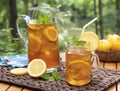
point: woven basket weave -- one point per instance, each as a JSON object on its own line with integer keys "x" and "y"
{"x": 101, "y": 79}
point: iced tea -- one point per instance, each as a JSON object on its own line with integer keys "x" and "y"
{"x": 78, "y": 66}
{"x": 43, "y": 44}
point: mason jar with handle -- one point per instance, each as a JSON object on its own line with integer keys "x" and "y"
{"x": 79, "y": 63}
{"x": 38, "y": 31}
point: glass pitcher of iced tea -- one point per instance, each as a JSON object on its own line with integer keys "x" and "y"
{"x": 38, "y": 30}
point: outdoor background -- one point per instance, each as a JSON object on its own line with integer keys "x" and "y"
{"x": 79, "y": 12}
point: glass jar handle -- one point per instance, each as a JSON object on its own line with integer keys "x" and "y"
{"x": 95, "y": 59}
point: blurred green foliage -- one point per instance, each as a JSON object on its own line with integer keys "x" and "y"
{"x": 82, "y": 11}
{"x": 10, "y": 45}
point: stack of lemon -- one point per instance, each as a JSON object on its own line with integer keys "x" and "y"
{"x": 111, "y": 43}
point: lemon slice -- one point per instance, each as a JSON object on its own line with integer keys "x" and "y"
{"x": 50, "y": 33}
{"x": 19, "y": 71}
{"x": 36, "y": 67}
{"x": 79, "y": 69}
{"x": 92, "y": 40}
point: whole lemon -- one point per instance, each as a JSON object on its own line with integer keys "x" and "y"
{"x": 112, "y": 38}
{"x": 116, "y": 45}
{"x": 104, "y": 45}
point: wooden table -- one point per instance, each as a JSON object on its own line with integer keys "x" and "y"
{"x": 115, "y": 87}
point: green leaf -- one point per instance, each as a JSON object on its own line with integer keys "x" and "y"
{"x": 51, "y": 76}
{"x": 76, "y": 42}
{"x": 45, "y": 76}
{"x": 51, "y": 79}
{"x": 56, "y": 75}
{"x": 44, "y": 18}
{"x": 47, "y": 19}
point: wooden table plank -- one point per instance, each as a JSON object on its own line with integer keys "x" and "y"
{"x": 15, "y": 88}
{"x": 111, "y": 66}
{"x": 118, "y": 66}
{"x": 118, "y": 85}
{"x": 25, "y": 89}
{"x": 4, "y": 86}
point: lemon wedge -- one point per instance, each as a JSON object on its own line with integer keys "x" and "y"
{"x": 92, "y": 40}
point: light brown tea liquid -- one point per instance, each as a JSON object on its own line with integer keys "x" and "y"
{"x": 43, "y": 44}
{"x": 78, "y": 66}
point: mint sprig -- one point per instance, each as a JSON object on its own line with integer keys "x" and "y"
{"x": 45, "y": 76}
{"x": 51, "y": 77}
{"x": 44, "y": 19}
{"x": 76, "y": 42}
{"x": 56, "y": 75}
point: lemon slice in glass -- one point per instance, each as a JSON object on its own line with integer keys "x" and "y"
{"x": 36, "y": 67}
{"x": 79, "y": 69}
{"x": 92, "y": 40}
{"x": 50, "y": 33}
{"x": 19, "y": 71}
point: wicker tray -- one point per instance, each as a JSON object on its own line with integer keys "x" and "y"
{"x": 101, "y": 79}
{"x": 109, "y": 56}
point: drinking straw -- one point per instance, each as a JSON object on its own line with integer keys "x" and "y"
{"x": 88, "y": 24}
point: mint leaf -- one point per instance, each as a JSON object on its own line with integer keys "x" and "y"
{"x": 47, "y": 19}
{"x": 51, "y": 79}
{"x": 76, "y": 42}
{"x": 44, "y": 18}
{"x": 56, "y": 75}
{"x": 45, "y": 76}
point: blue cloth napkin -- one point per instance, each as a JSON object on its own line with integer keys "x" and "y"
{"x": 15, "y": 61}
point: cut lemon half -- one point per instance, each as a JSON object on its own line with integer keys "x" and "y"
{"x": 92, "y": 40}
{"x": 50, "y": 33}
{"x": 19, "y": 71}
{"x": 79, "y": 69}
{"x": 36, "y": 67}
